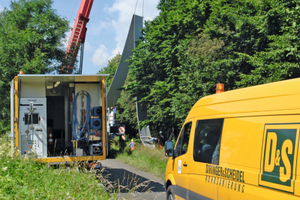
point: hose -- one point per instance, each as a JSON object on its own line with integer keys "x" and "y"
{"x": 80, "y": 131}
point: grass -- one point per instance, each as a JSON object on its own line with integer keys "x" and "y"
{"x": 144, "y": 158}
{"x": 27, "y": 179}
{"x": 22, "y": 178}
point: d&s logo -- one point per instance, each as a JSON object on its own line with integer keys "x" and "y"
{"x": 279, "y": 156}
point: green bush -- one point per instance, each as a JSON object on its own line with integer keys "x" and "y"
{"x": 145, "y": 158}
{"x": 22, "y": 178}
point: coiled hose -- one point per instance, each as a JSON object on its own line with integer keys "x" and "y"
{"x": 80, "y": 132}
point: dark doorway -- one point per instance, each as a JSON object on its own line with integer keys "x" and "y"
{"x": 56, "y": 125}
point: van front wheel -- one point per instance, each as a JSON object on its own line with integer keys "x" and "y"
{"x": 170, "y": 195}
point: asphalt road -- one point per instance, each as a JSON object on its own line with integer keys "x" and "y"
{"x": 130, "y": 183}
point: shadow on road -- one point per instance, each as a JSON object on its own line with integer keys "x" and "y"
{"x": 123, "y": 181}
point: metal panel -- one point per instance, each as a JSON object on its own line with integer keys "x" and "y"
{"x": 71, "y": 78}
{"x": 32, "y": 90}
{"x": 12, "y": 111}
{"x": 122, "y": 70}
{"x": 33, "y": 134}
{"x": 121, "y": 73}
{"x": 94, "y": 90}
{"x": 145, "y": 137}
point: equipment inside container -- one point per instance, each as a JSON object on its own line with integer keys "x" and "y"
{"x": 74, "y": 120}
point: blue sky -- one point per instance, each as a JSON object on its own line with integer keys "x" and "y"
{"x": 107, "y": 28}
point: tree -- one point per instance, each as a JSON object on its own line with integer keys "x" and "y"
{"x": 155, "y": 66}
{"x": 194, "y": 44}
{"x": 126, "y": 112}
{"x": 126, "y": 104}
{"x": 31, "y": 36}
{"x": 279, "y": 60}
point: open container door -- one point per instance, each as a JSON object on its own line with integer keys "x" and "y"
{"x": 12, "y": 112}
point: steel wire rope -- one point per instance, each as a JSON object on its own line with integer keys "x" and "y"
{"x": 142, "y": 7}
{"x": 135, "y": 6}
{"x": 73, "y": 11}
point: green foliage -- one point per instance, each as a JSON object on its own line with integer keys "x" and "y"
{"x": 27, "y": 179}
{"x": 144, "y": 158}
{"x": 126, "y": 104}
{"x": 126, "y": 112}
{"x": 30, "y": 40}
{"x": 111, "y": 69}
{"x": 155, "y": 66}
{"x": 280, "y": 59}
{"x": 193, "y": 44}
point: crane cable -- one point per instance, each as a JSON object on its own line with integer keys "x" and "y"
{"x": 142, "y": 7}
{"x": 81, "y": 131}
{"x": 73, "y": 11}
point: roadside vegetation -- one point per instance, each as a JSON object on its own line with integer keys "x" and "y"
{"x": 31, "y": 40}
{"x": 184, "y": 51}
{"x": 144, "y": 158}
{"x": 194, "y": 44}
{"x": 27, "y": 179}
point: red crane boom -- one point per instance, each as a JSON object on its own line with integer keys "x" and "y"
{"x": 77, "y": 36}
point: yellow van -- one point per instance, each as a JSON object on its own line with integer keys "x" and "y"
{"x": 239, "y": 144}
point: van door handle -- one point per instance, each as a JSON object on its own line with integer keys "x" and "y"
{"x": 185, "y": 165}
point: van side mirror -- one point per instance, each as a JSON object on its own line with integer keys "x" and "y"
{"x": 169, "y": 151}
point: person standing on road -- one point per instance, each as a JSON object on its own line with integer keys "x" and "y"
{"x": 161, "y": 140}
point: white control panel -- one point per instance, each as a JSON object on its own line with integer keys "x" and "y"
{"x": 33, "y": 126}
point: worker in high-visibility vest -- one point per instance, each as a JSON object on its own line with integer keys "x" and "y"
{"x": 132, "y": 145}
{"x": 161, "y": 140}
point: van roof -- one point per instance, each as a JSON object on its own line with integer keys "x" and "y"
{"x": 67, "y": 78}
{"x": 247, "y": 99}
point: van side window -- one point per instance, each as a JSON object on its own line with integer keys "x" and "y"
{"x": 207, "y": 140}
{"x": 183, "y": 141}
